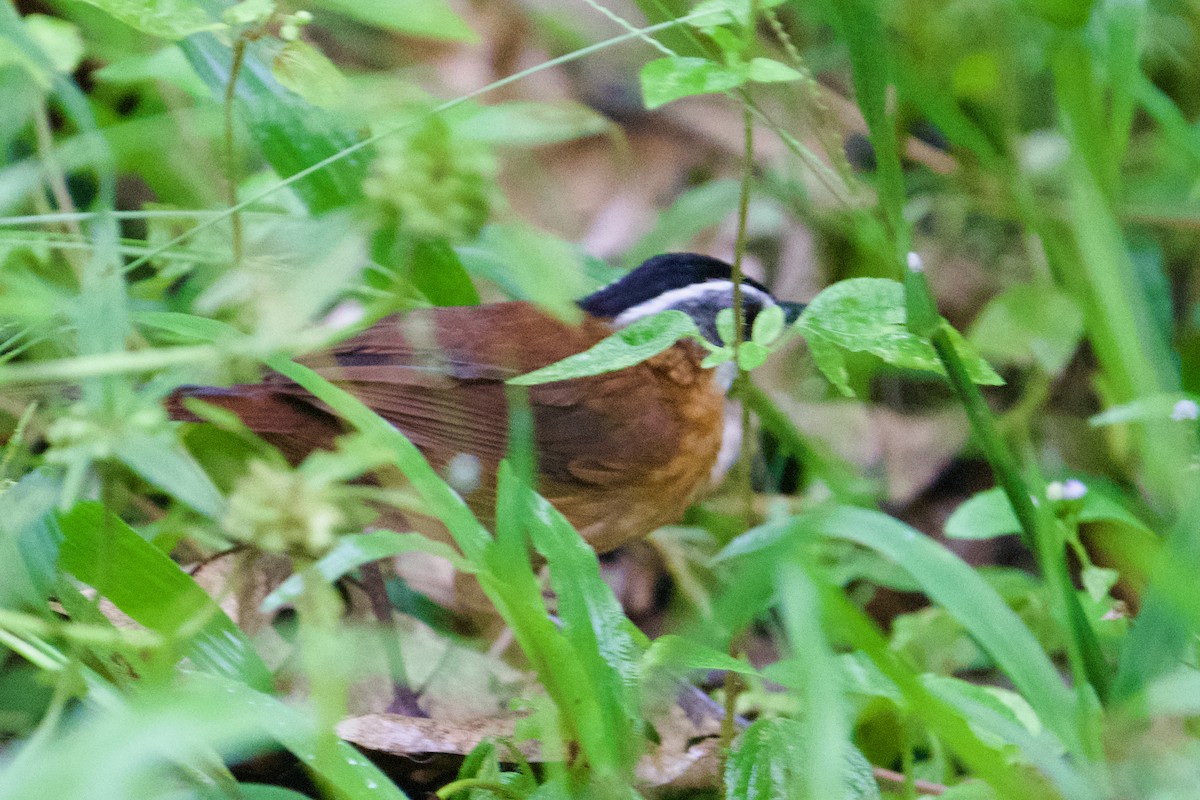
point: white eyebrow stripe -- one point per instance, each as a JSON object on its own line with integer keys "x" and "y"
{"x": 676, "y": 297}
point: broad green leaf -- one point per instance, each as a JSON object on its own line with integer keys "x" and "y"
{"x": 291, "y": 133}
{"x": 1029, "y": 324}
{"x": 673, "y": 77}
{"x": 768, "y": 762}
{"x": 351, "y": 552}
{"x": 867, "y": 315}
{"x": 439, "y": 274}
{"x": 309, "y": 73}
{"x": 524, "y": 123}
{"x": 830, "y": 360}
{"x": 427, "y": 18}
{"x": 752, "y": 355}
{"x": 633, "y": 344}
{"x": 768, "y": 325}
{"x": 168, "y": 19}
{"x": 950, "y": 583}
{"x": 28, "y": 541}
{"x": 989, "y": 514}
{"x": 102, "y": 551}
{"x": 983, "y": 516}
{"x": 726, "y": 329}
{"x": 768, "y": 70}
{"x": 162, "y": 461}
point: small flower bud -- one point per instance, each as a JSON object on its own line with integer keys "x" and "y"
{"x": 1185, "y": 410}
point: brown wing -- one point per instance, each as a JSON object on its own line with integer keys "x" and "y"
{"x": 438, "y": 375}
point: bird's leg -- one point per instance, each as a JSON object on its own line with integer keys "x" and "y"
{"x": 404, "y": 696}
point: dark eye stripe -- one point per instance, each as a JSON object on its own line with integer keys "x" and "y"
{"x": 655, "y": 276}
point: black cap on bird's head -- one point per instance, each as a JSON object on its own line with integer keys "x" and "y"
{"x": 698, "y": 285}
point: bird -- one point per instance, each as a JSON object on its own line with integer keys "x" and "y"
{"x": 619, "y": 454}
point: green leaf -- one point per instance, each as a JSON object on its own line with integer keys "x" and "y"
{"x": 116, "y": 750}
{"x": 950, "y": 583}
{"x": 592, "y": 621}
{"x": 168, "y": 19}
{"x": 161, "y": 460}
{"x": 291, "y": 133}
{"x": 102, "y": 551}
{"x": 989, "y": 514}
{"x": 1098, "y": 581}
{"x": 525, "y": 123}
{"x": 433, "y": 19}
{"x": 1029, "y": 324}
{"x": 767, "y": 762}
{"x": 867, "y": 315}
{"x": 673, "y": 77}
{"x": 1065, "y": 13}
{"x": 167, "y": 65}
{"x": 309, "y": 73}
{"x": 829, "y": 359}
{"x": 179, "y": 328}
{"x": 440, "y": 275}
{"x": 740, "y": 12}
{"x": 983, "y": 516}
{"x": 593, "y": 712}
{"x": 768, "y": 70}
{"x": 725, "y": 326}
{"x": 351, "y": 552}
{"x": 717, "y": 357}
{"x": 768, "y": 325}
{"x": 633, "y": 344}
{"x": 678, "y": 654}
{"x": 28, "y": 541}
{"x": 59, "y": 39}
{"x": 824, "y": 730}
{"x": 752, "y": 355}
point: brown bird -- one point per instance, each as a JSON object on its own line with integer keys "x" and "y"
{"x": 619, "y": 454}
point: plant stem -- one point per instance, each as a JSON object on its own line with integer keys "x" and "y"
{"x": 1037, "y": 530}
{"x": 495, "y": 787}
{"x": 739, "y": 312}
{"x": 235, "y": 216}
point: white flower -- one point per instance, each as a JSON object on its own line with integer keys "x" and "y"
{"x": 1066, "y": 490}
{"x": 1185, "y": 410}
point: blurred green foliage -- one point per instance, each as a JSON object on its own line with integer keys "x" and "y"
{"x": 154, "y": 234}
